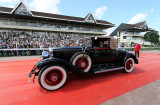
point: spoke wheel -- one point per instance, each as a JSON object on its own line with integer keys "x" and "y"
{"x": 129, "y": 65}
{"x": 82, "y": 61}
{"x": 52, "y": 77}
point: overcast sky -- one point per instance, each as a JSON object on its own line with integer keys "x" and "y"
{"x": 114, "y": 11}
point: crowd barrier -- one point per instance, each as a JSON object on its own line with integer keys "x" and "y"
{"x": 21, "y": 52}
{"x": 142, "y": 49}
{"x": 38, "y": 51}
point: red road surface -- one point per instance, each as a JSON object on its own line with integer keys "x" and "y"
{"x": 16, "y": 90}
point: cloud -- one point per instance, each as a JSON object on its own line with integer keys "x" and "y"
{"x": 158, "y": 23}
{"x": 99, "y": 12}
{"x": 49, "y": 6}
{"x": 109, "y": 31}
{"x": 158, "y": 31}
{"x": 11, "y": 6}
{"x": 137, "y": 18}
{"x": 152, "y": 10}
{"x": 9, "y": 1}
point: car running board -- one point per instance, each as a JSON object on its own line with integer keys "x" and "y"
{"x": 106, "y": 70}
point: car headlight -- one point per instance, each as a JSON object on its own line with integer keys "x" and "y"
{"x": 41, "y": 58}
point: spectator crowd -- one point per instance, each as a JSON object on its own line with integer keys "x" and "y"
{"x": 10, "y": 40}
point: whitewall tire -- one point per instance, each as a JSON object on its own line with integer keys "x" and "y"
{"x": 53, "y": 77}
{"x": 129, "y": 65}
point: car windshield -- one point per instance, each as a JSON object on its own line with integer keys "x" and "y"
{"x": 84, "y": 42}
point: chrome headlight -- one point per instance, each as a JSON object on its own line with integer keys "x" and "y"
{"x": 45, "y": 53}
{"x": 41, "y": 58}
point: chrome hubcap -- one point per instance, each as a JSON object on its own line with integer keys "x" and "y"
{"x": 54, "y": 78}
{"x": 83, "y": 64}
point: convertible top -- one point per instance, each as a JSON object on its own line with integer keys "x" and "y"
{"x": 113, "y": 41}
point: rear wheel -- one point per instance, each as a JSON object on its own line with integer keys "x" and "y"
{"x": 129, "y": 65}
{"x": 52, "y": 77}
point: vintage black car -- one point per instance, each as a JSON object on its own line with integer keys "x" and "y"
{"x": 94, "y": 55}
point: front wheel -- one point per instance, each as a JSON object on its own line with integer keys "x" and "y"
{"x": 52, "y": 77}
{"x": 129, "y": 65}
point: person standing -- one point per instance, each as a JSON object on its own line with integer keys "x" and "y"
{"x": 137, "y": 47}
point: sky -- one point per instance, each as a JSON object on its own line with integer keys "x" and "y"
{"x": 114, "y": 11}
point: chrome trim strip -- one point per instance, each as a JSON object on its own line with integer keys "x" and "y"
{"x": 102, "y": 71}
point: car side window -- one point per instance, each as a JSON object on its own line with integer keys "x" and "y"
{"x": 106, "y": 43}
{"x": 101, "y": 43}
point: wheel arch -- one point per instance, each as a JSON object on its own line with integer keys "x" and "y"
{"x": 54, "y": 61}
{"x": 130, "y": 55}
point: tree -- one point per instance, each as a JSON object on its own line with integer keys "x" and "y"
{"x": 152, "y": 37}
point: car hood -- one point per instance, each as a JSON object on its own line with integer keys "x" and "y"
{"x": 66, "y": 48}
{"x": 122, "y": 51}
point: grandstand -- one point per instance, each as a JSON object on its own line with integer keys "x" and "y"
{"x": 22, "y": 28}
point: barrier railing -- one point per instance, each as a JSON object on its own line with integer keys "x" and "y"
{"x": 38, "y": 51}
{"x": 142, "y": 49}
{"x": 21, "y": 52}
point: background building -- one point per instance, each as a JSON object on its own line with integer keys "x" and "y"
{"x": 20, "y": 27}
{"x": 130, "y": 33}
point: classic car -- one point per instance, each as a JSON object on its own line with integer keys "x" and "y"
{"x": 92, "y": 55}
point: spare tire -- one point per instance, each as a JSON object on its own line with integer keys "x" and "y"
{"x": 82, "y": 60}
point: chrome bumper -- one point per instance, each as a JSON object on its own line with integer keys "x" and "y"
{"x": 31, "y": 79}
{"x": 33, "y": 72}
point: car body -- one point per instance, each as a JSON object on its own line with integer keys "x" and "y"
{"x": 92, "y": 55}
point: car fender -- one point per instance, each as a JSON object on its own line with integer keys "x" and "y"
{"x": 130, "y": 55}
{"x": 51, "y": 61}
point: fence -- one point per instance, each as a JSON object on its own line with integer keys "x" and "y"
{"x": 142, "y": 49}
{"x": 38, "y": 51}
{"x": 21, "y": 52}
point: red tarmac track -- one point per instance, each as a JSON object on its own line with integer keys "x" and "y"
{"x": 84, "y": 90}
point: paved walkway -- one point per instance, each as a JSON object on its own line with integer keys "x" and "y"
{"x": 18, "y": 58}
{"x": 151, "y": 51}
{"x": 145, "y": 95}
